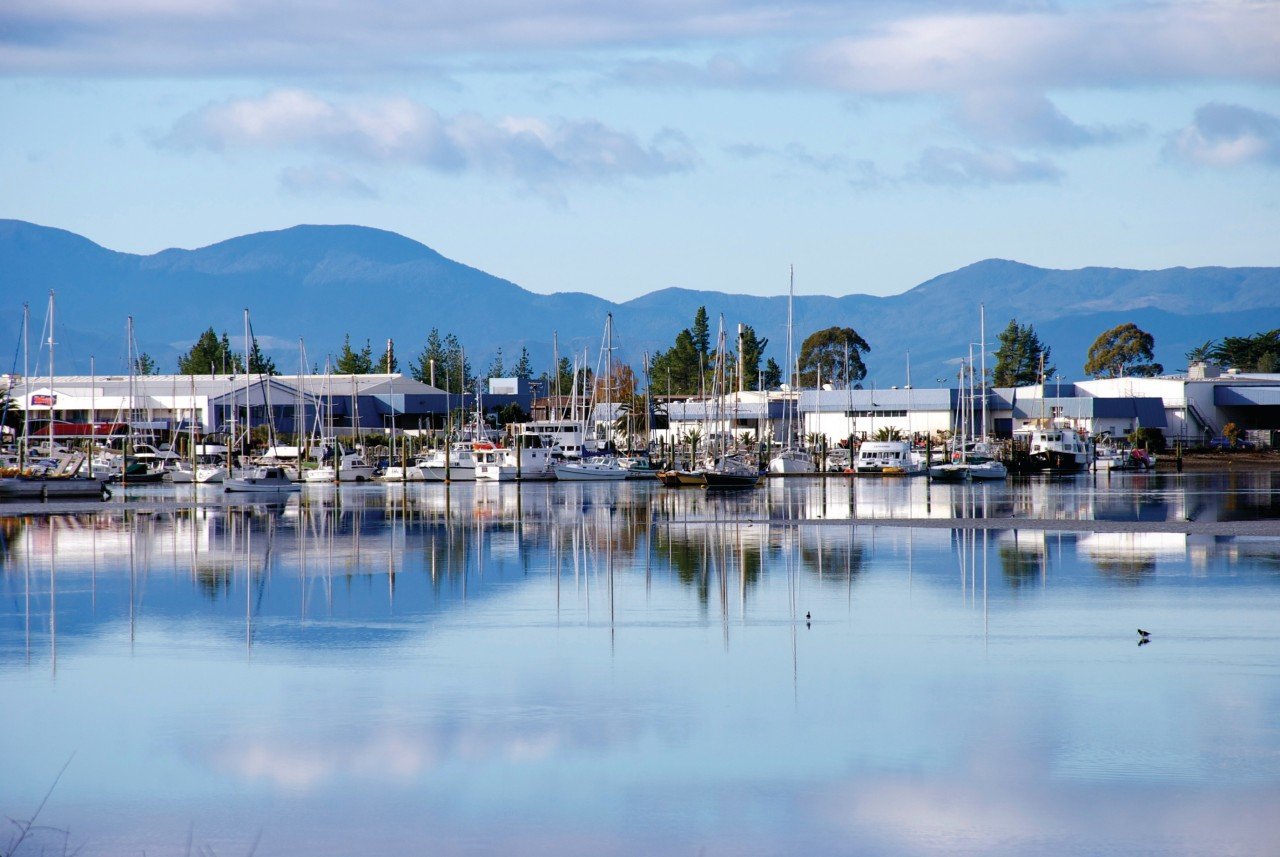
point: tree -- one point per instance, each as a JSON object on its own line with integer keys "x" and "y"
{"x": 144, "y": 365}
{"x": 510, "y": 413}
{"x": 752, "y": 348}
{"x": 825, "y": 354}
{"x": 210, "y": 356}
{"x": 496, "y": 369}
{"x": 457, "y": 366}
{"x": 701, "y": 332}
{"x": 621, "y": 384}
{"x": 1019, "y": 357}
{"x": 679, "y": 367}
{"x": 524, "y": 369}
{"x": 259, "y": 363}
{"x": 888, "y": 433}
{"x": 772, "y": 374}
{"x": 354, "y": 362}
{"x": 1247, "y": 353}
{"x": 1201, "y": 353}
{"x": 430, "y": 360}
{"x": 1123, "y": 350}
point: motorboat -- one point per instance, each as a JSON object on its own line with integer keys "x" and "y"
{"x": 792, "y": 461}
{"x": 887, "y": 458}
{"x": 261, "y": 480}
{"x": 352, "y": 467}
{"x": 56, "y": 478}
{"x": 601, "y": 468}
{"x": 457, "y": 464}
{"x": 528, "y": 461}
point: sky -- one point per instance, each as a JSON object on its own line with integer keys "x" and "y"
{"x": 621, "y": 147}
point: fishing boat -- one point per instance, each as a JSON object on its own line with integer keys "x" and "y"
{"x": 261, "y": 480}
{"x": 1053, "y": 449}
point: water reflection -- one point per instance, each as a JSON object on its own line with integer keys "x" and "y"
{"x": 586, "y": 669}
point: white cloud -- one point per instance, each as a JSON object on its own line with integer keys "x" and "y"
{"x": 1152, "y": 43}
{"x": 950, "y": 166}
{"x": 1227, "y": 135}
{"x": 542, "y": 153}
{"x": 1023, "y": 118}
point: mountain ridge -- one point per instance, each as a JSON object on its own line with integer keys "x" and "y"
{"x": 321, "y": 282}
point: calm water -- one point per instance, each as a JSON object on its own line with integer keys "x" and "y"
{"x": 603, "y": 669}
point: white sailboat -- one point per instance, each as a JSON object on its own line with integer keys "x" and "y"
{"x": 599, "y": 468}
{"x": 792, "y": 459}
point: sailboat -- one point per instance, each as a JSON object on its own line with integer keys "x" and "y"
{"x": 792, "y": 459}
{"x": 725, "y": 470}
{"x": 60, "y": 477}
{"x": 599, "y": 468}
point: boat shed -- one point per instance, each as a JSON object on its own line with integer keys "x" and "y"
{"x": 837, "y": 414}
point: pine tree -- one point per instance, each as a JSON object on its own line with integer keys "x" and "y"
{"x": 496, "y": 369}
{"x": 210, "y": 356}
{"x": 524, "y": 368}
{"x": 1018, "y": 359}
{"x": 352, "y": 362}
{"x": 144, "y": 365}
{"x": 259, "y": 363}
{"x": 701, "y": 332}
{"x": 432, "y": 355}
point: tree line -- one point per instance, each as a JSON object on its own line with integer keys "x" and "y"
{"x": 832, "y": 355}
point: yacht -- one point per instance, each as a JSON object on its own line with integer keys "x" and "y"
{"x": 352, "y": 467}
{"x": 458, "y": 465}
{"x": 792, "y": 461}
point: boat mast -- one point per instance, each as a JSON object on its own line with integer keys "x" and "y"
{"x": 26, "y": 386}
{"x": 982, "y": 322}
{"x": 248, "y": 410}
{"x": 51, "y": 394}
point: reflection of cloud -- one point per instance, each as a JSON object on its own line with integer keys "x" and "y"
{"x": 1227, "y": 135}
{"x": 404, "y": 754}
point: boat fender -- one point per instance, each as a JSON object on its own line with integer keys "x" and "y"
{"x": 106, "y": 492}
{"x": 955, "y": 457}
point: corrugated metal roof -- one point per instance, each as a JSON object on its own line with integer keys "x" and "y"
{"x": 1239, "y": 395}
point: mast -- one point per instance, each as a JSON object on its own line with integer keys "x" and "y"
{"x": 982, "y": 322}
{"x": 26, "y": 386}
{"x": 248, "y": 411}
{"x": 51, "y": 394}
{"x": 93, "y": 411}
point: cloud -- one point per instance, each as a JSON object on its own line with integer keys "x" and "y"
{"x": 541, "y": 153}
{"x": 324, "y": 180}
{"x": 1022, "y": 118}
{"x": 1227, "y": 135}
{"x": 1151, "y": 43}
{"x": 961, "y": 167}
{"x": 794, "y": 154}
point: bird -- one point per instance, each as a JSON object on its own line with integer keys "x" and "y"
{"x": 807, "y": 616}
{"x": 1143, "y": 634}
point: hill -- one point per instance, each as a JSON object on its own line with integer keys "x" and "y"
{"x": 320, "y": 283}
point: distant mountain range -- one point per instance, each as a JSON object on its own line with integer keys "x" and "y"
{"x": 319, "y": 283}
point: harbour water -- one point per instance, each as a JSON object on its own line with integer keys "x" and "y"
{"x": 817, "y": 667}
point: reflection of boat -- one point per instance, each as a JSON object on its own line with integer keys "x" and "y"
{"x": 887, "y": 458}
{"x": 261, "y": 480}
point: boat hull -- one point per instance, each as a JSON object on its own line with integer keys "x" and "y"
{"x": 36, "y": 488}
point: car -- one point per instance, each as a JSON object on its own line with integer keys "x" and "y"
{"x": 1221, "y": 442}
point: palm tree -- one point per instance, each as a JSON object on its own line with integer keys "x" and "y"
{"x": 888, "y": 433}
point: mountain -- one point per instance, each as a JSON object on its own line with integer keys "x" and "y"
{"x": 320, "y": 283}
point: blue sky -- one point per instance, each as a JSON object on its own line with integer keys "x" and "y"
{"x": 621, "y": 147}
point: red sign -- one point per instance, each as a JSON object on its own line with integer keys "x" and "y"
{"x": 41, "y": 400}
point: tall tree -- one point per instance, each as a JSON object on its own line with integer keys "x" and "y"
{"x": 752, "y": 347}
{"x": 210, "y": 356}
{"x": 144, "y": 365}
{"x": 701, "y": 332}
{"x": 824, "y": 354}
{"x": 457, "y": 366}
{"x": 524, "y": 368}
{"x": 354, "y": 362}
{"x": 679, "y": 368}
{"x": 429, "y": 363}
{"x": 1123, "y": 350}
{"x": 772, "y": 374}
{"x": 496, "y": 369}
{"x": 1019, "y": 355}
{"x": 389, "y": 365}
{"x": 259, "y": 363}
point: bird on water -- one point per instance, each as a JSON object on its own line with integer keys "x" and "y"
{"x": 1143, "y": 634}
